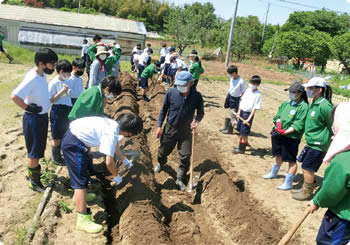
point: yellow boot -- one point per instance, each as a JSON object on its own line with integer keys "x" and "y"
{"x": 85, "y": 223}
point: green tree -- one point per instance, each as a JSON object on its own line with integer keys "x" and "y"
{"x": 321, "y": 48}
{"x": 341, "y": 49}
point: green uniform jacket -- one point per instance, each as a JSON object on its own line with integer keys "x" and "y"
{"x": 196, "y": 70}
{"x": 111, "y": 60}
{"x": 318, "y": 125}
{"x": 92, "y": 49}
{"x": 149, "y": 71}
{"x": 89, "y": 103}
{"x": 335, "y": 191}
{"x": 1, "y": 38}
{"x": 293, "y": 116}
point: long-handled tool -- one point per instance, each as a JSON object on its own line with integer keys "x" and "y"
{"x": 239, "y": 117}
{"x": 295, "y": 227}
{"x": 190, "y": 182}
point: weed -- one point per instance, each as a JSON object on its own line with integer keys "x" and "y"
{"x": 21, "y": 233}
{"x": 64, "y": 207}
{"x": 48, "y": 173}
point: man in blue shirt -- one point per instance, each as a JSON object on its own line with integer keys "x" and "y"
{"x": 180, "y": 104}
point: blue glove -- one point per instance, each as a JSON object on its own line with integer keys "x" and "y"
{"x": 118, "y": 179}
{"x": 127, "y": 164}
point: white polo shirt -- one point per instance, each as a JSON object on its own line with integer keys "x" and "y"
{"x": 143, "y": 59}
{"x": 167, "y": 58}
{"x": 181, "y": 63}
{"x": 250, "y": 100}
{"x": 97, "y": 131}
{"x": 237, "y": 87}
{"x": 34, "y": 89}
{"x": 76, "y": 84}
{"x": 163, "y": 52}
{"x": 54, "y": 87}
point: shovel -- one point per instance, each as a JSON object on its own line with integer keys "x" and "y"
{"x": 295, "y": 227}
{"x": 190, "y": 182}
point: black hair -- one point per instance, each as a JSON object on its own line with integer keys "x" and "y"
{"x": 78, "y": 62}
{"x": 45, "y": 55}
{"x": 131, "y": 123}
{"x": 85, "y": 41}
{"x": 149, "y": 45}
{"x": 196, "y": 59}
{"x": 96, "y": 37}
{"x": 113, "y": 85}
{"x": 164, "y": 45}
{"x": 304, "y": 96}
{"x": 156, "y": 63}
{"x": 232, "y": 69}
{"x": 194, "y": 52}
{"x": 172, "y": 59}
{"x": 255, "y": 80}
{"x": 64, "y": 65}
{"x": 150, "y": 50}
{"x": 138, "y": 45}
{"x": 327, "y": 92}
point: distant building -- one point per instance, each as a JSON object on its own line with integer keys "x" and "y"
{"x": 64, "y": 31}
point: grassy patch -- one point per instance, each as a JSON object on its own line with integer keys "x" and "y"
{"x": 21, "y": 233}
{"x": 64, "y": 206}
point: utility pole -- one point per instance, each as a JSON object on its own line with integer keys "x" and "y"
{"x": 79, "y": 7}
{"x": 263, "y": 33}
{"x": 231, "y": 35}
{"x": 273, "y": 45}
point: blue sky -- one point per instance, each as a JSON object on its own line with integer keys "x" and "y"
{"x": 279, "y": 9}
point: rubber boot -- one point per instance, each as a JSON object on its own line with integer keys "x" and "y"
{"x": 288, "y": 181}
{"x": 10, "y": 58}
{"x": 227, "y": 121}
{"x": 56, "y": 156}
{"x": 33, "y": 176}
{"x": 85, "y": 223}
{"x": 229, "y": 129}
{"x": 241, "y": 147}
{"x": 273, "y": 173}
{"x": 181, "y": 185}
{"x": 306, "y": 192}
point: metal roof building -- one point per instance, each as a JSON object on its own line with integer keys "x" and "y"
{"x": 64, "y": 31}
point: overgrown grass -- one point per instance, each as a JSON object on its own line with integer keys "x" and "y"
{"x": 21, "y": 233}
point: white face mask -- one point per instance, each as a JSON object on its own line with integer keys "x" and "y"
{"x": 182, "y": 89}
{"x": 253, "y": 87}
{"x": 292, "y": 96}
{"x": 109, "y": 96}
{"x": 103, "y": 56}
{"x": 309, "y": 93}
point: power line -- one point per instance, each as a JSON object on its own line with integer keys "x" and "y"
{"x": 310, "y": 6}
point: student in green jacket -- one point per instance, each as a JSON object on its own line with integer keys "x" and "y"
{"x": 287, "y": 132}
{"x": 196, "y": 70}
{"x": 91, "y": 102}
{"x": 2, "y": 50}
{"x": 318, "y": 134}
{"x": 148, "y": 72}
{"x": 335, "y": 191}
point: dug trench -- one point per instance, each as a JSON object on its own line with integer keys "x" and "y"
{"x": 148, "y": 208}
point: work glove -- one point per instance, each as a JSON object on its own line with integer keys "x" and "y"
{"x": 33, "y": 108}
{"x": 118, "y": 179}
{"x": 127, "y": 164}
{"x": 281, "y": 131}
{"x": 279, "y": 124}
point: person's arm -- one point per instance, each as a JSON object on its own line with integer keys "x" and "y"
{"x": 93, "y": 74}
{"x": 199, "y": 113}
{"x": 18, "y": 101}
{"x": 92, "y": 51}
{"x": 111, "y": 166}
{"x": 162, "y": 114}
{"x": 59, "y": 94}
{"x": 242, "y": 87}
{"x": 250, "y": 116}
{"x": 278, "y": 114}
{"x": 299, "y": 122}
{"x": 111, "y": 60}
{"x": 326, "y": 111}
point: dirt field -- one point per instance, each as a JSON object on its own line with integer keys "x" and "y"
{"x": 232, "y": 203}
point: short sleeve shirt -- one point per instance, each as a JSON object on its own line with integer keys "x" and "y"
{"x": 77, "y": 86}
{"x": 237, "y": 87}
{"x": 54, "y": 87}
{"x": 250, "y": 100}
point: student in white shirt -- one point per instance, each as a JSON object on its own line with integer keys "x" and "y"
{"x": 144, "y": 61}
{"x": 84, "y": 50}
{"x": 148, "y": 46}
{"x": 99, "y": 132}
{"x": 76, "y": 80}
{"x": 250, "y": 102}
{"x": 135, "y": 51}
{"x": 32, "y": 95}
{"x": 163, "y": 53}
{"x": 59, "y": 94}
{"x": 236, "y": 90}
{"x": 166, "y": 65}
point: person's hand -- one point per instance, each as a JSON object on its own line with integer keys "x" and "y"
{"x": 64, "y": 89}
{"x": 100, "y": 44}
{"x": 281, "y": 131}
{"x": 194, "y": 125}
{"x": 159, "y": 132}
{"x": 246, "y": 122}
{"x": 127, "y": 164}
{"x": 279, "y": 124}
{"x": 117, "y": 179}
{"x": 312, "y": 206}
{"x": 33, "y": 108}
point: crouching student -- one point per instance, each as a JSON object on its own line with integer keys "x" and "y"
{"x": 59, "y": 94}
{"x": 75, "y": 80}
{"x": 286, "y": 134}
{"x": 146, "y": 74}
{"x": 250, "y": 103}
{"x": 318, "y": 135}
{"x": 236, "y": 90}
{"x": 335, "y": 191}
{"x": 95, "y": 132}
{"x": 32, "y": 95}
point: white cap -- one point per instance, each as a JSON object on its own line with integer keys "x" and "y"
{"x": 316, "y": 82}
{"x": 117, "y": 45}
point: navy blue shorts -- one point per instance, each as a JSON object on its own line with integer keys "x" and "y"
{"x": 244, "y": 130}
{"x": 59, "y": 120}
{"x": 140, "y": 68}
{"x": 76, "y": 156}
{"x": 35, "y": 128}
{"x": 284, "y": 146}
{"x": 144, "y": 82}
{"x": 166, "y": 69}
{"x": 311, "y": 159}
{"x": 232, "y": 102}
{"x": 162, "y": 59}
{"x": 73, "y": 100}
{"x": 333, "y": 230}
{"x": 172, "y": 73}
{"x": 184, "y": 69}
